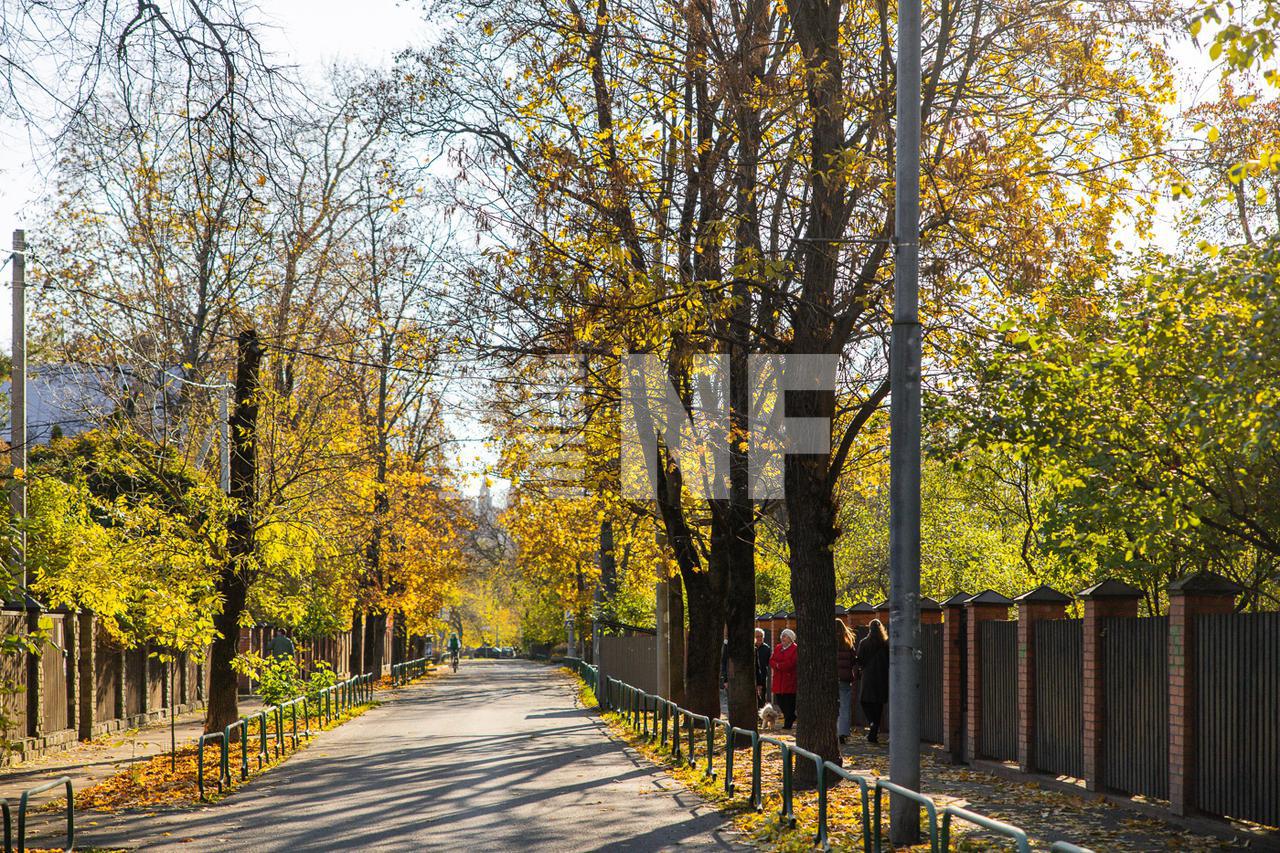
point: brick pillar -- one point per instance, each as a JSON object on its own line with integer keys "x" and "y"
{"x": 1201, "y": 593}
{"x": 35, "y": 678}
{"x": 71, "y": 661}
{"x": 882, "y": 613}
{"x": 984, "y": 607}
{"x": 954, "y": 645}
{"x": 1105, "y": 600}
{"x": 1043, "y": 602}
{"x": 860, "y": 615}
{"x": 144, "y": 676}
{"x": 930, "y": 611}
{"x": 87, "y": 673}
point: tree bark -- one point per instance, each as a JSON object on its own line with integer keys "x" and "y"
{"x": 704, "y": 642}
{"x": 810, "y": 505}
{"x": 233, "y": 580}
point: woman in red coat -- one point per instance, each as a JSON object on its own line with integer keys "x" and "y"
{"x": 783, "y": 664}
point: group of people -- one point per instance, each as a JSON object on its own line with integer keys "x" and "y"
{"x": 866, "y": 662}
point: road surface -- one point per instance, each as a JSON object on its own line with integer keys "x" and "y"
{"x": 496, "y": 757}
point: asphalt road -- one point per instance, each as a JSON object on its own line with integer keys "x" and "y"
{"x": 496, "y": 757}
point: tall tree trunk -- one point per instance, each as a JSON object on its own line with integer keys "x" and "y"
{"x": 675, "y": 638}
{"x": 233, "y": 580}
{"x": 703, "y": 643}
{"x": 810, "y": 506}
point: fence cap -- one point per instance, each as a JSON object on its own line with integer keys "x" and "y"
{"x": 1110, "y": 588}
{"x": 927, "y": 603}
{"x": 1206, "y": 583}
{"x": 781, "y": 614}
{"x": 884, "y": 605}
{"x": 862, "y": 607}
{"x": 791, "y": 615}
{"x": 989, "y": 596}
{"x": 1043, "y": 594}
{"x": 956, "y": 600}
{"x": 840, "y": 611}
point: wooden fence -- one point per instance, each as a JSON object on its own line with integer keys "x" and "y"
{"x": 86, "y": 685}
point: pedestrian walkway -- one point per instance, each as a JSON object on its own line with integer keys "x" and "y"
{"x": 89, "y": 762}
{"x": 500, "y": 756}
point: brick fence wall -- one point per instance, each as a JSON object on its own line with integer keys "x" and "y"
{"x": 1183, "y": 708}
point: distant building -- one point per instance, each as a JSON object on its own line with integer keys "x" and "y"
{"x": 70, "y": 399}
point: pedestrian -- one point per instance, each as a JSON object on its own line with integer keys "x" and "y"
{"x": 873, "y": 658}
{"x": 282, "y": 645}
{"x": 783, "y": 664}
{"x": 763, "y": 651}
{"x": 845, "y": 656}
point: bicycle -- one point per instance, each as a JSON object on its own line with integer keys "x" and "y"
{"x": 453, "y": 659}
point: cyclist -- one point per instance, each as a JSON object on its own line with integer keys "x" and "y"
{"x": 455, "y": 647}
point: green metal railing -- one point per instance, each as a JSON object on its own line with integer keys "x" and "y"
{"x": 331, "y": 702}
{"x": 403, "y": 673}
{"x": 673, "y": 727}
{"x": 61, "y": 781}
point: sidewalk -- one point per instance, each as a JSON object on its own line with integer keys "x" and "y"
{"x": 88, "y": 763}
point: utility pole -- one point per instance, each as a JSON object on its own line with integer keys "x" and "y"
{"x": 224, "y": 446}
{"x": 904, "y": 439}
{"x": 18, "y": 407}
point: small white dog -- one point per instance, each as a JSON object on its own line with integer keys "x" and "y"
{"x": 770, "y": 716}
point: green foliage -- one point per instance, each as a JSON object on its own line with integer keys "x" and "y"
{"x": 279, "y": 678}
{"x": 126, "y": 530}
{"x": 1155, "y": 422}
{"x": 301, "y": 580}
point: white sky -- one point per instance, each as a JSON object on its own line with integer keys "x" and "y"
{"x": 309, "y": 33}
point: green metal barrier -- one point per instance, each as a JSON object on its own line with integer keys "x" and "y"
{"x": 999, "y": 827}
{"x": 22, "y": 813}
{"x": 785, "y": 814}
{"x": 674, "y": 726}
{"x": 8, "y": 825}
{"x": 929, "y": 806}
{"x": 820, "y": 768}
{"x": 222, "y": 761}
{"x": 405, "y": 671}
{"x": 334, "y": 699}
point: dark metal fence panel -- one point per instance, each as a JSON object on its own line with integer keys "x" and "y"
{"x": 106, "y": 667}
{"x": 998, "y": 659}
{"x": 631, "y": 659}
{"x": 1238, "y": 715}
{"x": 135, "y": 682}
{"x": 1059, "y": 677}
{"x": 157, "y": 674}
{"x": 931, "y": 683}
{"x": 1135, "y": 687}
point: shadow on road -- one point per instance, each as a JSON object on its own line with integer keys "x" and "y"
{"x": 494, "y": 758}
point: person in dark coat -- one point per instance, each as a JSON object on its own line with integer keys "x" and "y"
{"x": 783, "y": 664}
{"x": 763, "y": 651}
{"x": 845, "y": 655}
{"x": 873, "y": 658}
